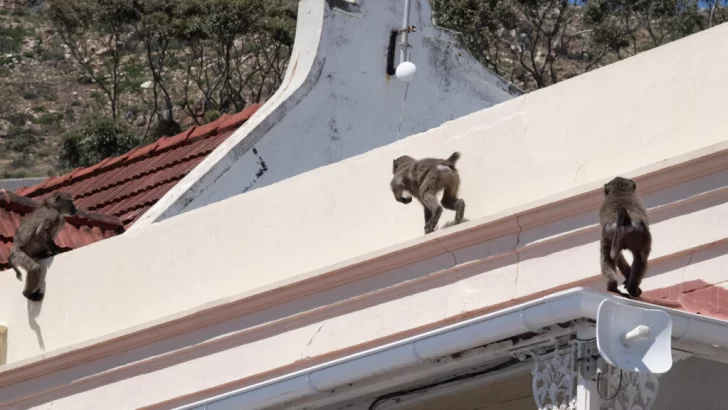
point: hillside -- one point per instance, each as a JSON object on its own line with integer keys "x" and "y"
{"x": 46, "y": 91}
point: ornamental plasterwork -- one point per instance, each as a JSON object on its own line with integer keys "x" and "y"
{"x": 628, "y": 390}
{"x": 554, "y": 380}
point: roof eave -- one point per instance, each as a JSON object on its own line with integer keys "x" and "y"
{"x": 531, "y": 316}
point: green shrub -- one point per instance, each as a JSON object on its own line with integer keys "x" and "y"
{"x": 98, "y": 138}
{"x": 211, "y": 116}
{"x": 48, "y": 119}
{"x": 18, "y": 119}
{"x": 21, "y": 139}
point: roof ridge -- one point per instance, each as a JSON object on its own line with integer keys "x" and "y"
{"x": 195, "y": 132}
{"x": 95, "y": 218}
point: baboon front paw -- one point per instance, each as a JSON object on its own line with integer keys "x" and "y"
{"x": 35, "y": 296}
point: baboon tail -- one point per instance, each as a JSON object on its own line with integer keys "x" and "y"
{"x": 623, "y": 218}
{"x": 453, "y": 158}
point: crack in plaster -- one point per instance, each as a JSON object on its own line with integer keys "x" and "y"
{"x": 690, "y": 259}
{"x": 454, "y": 257}
{"x": 518, "y": 256}
{"x": 692, "y": 254}
{"x": 311, "y": 340}
{"x": 581, "y": 166}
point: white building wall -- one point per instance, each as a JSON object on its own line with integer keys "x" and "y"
{"x": 283, "y": 256}
{"x": 521, "y": 151}
{"x": 347, "y": 103}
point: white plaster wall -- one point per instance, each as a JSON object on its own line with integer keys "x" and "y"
{"x": 513, "y": 154}
{"x": 243, "y": 347}
{"x": 352, "y": 107}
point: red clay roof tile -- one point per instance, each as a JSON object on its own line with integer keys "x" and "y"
{"x": 695, "y": 296}
{"x": 129, "y": 184}
{"x": 125, "y": 186}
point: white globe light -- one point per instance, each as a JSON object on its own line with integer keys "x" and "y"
{"x": 406, "y": 71}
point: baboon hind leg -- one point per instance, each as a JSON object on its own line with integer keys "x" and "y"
{"x": 624, "y": 267}
{"x": 639, "y": 267}
{"x": 33, "y": 271}
{"x": 452, "y": 202}
{"x": 429, "y": 201}
{"x": 609, "y": 268}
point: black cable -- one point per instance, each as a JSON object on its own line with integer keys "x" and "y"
{"x": 450, "y": 380}
{"x": 586, "y": 340}
{"x": 619, "y": 388}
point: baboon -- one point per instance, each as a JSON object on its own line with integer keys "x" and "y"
{"x": 34, "y": 240}
{"x": 423, "y": 179}
{"x": 624, "y": 224}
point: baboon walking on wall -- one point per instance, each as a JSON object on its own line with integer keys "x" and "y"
{"x": 424, "y": 179}
{"x": 34, "y": 240}
{"x": 624, "y": 224}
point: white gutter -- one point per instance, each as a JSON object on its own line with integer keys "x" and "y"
{"x": 528, "y": 317}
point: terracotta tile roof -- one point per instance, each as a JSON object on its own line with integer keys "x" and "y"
{"x": 80, "y": 230}
{"x": 695, "y": 296}
{"x": 128, "y": 185}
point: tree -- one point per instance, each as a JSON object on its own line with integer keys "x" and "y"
{"x": 235, "y": 52}
{"x": 156, "y": 29}
{"x": 482, "y": 24}
{"x": 621, "y": 25}
{"x": 98, "y": 138}
{"x": 94, "y": 31}
{"x": 522, "y": 39}
{"x": 718, "y": 12}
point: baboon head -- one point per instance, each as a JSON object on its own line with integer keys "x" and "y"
{"x": 403, "y": 160}
{"x": 62, "y": 202}
{"x": 620, "y": 184}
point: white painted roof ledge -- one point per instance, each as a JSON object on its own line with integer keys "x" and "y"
{"x": 652, "y": 177}
{"x": 531, "y": 316}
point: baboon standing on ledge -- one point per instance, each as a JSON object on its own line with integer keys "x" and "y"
{"x": 423, "y": 179}
{"x": 624, "y": 224}
{"x": 34, "y": 240}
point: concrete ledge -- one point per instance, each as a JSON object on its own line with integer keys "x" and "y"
{"x": 454, "y": 254}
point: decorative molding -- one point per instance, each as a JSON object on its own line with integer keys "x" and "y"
{"x": 554, "y": 383}
{"x": 634, "y": 390}
{"x": 554, "y": 379}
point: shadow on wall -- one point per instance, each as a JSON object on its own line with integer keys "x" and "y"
{"x": 34, "y": 308}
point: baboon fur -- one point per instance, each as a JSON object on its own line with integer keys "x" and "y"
{"x": 625, "y": 225}
{"x": 424, "y": 179}
{"x": 34, "y": 240}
